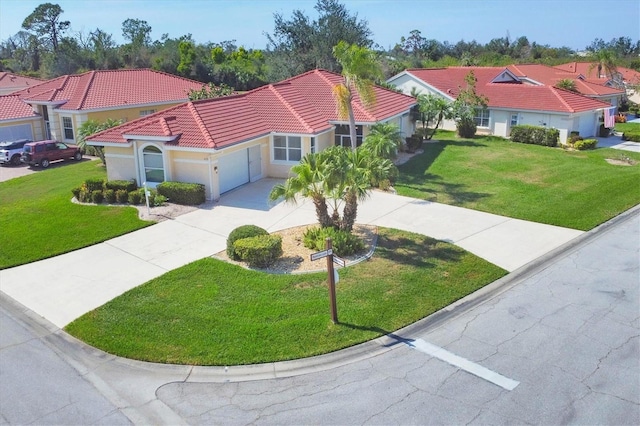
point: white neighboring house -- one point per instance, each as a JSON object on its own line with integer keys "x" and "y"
{"x": 512, "y": 99}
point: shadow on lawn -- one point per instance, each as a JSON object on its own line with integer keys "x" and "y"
{"x": 415, "y": 176}
{"x": 420, "y": 252}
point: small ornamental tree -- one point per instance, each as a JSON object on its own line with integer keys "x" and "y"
{"x": 465, "y": 106}
{"x": 432, "y": 108}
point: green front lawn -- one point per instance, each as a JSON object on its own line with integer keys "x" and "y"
{"x": 214, "y": 313}
{"x": 574, "y": 189}
{"x": 627, "y": 127}
{"x": 41, "y": 221}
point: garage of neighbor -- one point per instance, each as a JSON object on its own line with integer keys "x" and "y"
{"x": 12, "y": 133}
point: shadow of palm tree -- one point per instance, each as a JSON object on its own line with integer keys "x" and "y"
{"x": 418, "y": 252}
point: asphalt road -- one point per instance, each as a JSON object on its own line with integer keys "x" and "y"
{"x": 557, "y": 343}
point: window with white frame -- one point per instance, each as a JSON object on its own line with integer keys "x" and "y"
{"x": 287, "y": 148}
{"x": 67, "y": 126}
{"x": 153, "y": 164}
{"x": 147, "y": 112}
{"x": 313, "y": 145}
{"x": 482, "y": 117}
{"x": 514, "y": 120}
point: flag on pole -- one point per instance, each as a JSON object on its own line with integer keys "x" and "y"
{"x": 609, "y": 118}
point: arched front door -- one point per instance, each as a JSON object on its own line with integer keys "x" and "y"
{"x": 152, "y": 165}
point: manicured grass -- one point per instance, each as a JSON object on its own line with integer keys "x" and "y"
{"x": 40, "y": 220}
{"x": 214, "y": 313}
{"x": 628, "y": 127}
{"x": 574, "y": 189}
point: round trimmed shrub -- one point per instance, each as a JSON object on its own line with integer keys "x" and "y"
{"x": 97, "y": 196}
{"x": 110, "y": 196}
{"x": 260, "y": 251}
{"x": 134, "y": 198}
{"x": 244, "y": 231}
{"x": 467, "y": 128}
{"x": 122, "y": 196}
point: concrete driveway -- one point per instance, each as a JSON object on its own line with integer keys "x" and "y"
{"x": 63, "y": 288}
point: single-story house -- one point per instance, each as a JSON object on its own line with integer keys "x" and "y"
{"x": 226, "y": 142}
{"x": 512, "y": 100}
{"x": 10, "y": 83}
{"x": 55, "y": 109}
{"x": 589, "y": 70}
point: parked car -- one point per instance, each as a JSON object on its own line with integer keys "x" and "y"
{"x": 44, "y": 152}
{"x": 10, "y": 151}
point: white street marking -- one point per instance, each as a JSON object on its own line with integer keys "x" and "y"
{"x": 464, "y": 364}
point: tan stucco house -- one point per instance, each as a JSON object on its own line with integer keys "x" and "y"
{"x": 226, "y": 142}
{"x": 55, "y": 109}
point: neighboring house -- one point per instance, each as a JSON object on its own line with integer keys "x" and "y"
{"x": 512, "y": 99}
{"x": 10, "y": 83}
{"x": 630, "y": 78}
{"x": 226, "y": 142}
{"x": 57, "y": 108}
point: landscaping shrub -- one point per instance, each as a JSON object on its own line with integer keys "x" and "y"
{"x": 259, "y": 251}
{"x": 97, "y": 196}
{"x": 158, "y": 200}
{"x": 110, "y": 196}
{"x": 573, "y": 139}
{"x": 190, "y": 194}
{"x": 76, "y": 192}
{"x": 631, "y": 136}
{"x": 467, "y": 128}
{"x": 344, "y": 243}
{"x": 127, "y": 185}
{"x": 244, "y": 231}
{"x": 134, "y": 198}
{"x": 122, "y": 196}
{"x": 94, "y": 184}
{"x": 535, "y": 135}
{"x": 584, "y": 144}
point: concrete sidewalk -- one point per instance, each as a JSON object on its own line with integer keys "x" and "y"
{"x": 63, "y": 288}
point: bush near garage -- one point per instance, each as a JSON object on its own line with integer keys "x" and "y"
{"x": 259, "y": 251}
{"x": 189, "y": 194}
{"x": 128, "y": 185}
{"x": 241, "y": 232}
{"x": 535, "y": 135}
{"x": 585, "y": 144}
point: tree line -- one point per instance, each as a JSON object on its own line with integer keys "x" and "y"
{"x": 46, "y": 48}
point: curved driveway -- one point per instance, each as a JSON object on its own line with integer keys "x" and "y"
{"x": 62, "y": 288}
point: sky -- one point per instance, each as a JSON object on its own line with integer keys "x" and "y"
{"x": 571, "y": 23}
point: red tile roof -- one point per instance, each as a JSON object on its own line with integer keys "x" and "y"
{"x": 13, "y": 108}
{"x": 550, "y": 76}
{"x": 511, "y": 95}
{"x": 590, "y": 71}
{"x": 14, "y": 81}
{"x": 111, "y": 88}
{"x": 303, "y": 104}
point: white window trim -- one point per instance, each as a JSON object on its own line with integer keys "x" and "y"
{"x": 141, "y": 168}
{"x": 480, "y": 114}
{"x": 64, "y": 129}
{"x": 287, "y": 161}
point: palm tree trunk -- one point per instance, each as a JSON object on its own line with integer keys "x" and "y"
{"x": 322, "y": 212}
{"x": 352, "y": 126}
{"x": 350, "y": 211}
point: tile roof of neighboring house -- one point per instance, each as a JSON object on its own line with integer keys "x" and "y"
{"x": 303, "y": 104}
{"x": 111, "y": 88}
{"x": 512, "y": 95}
{"x": 10, "y": 81}
{"x": 590, "y": 71}
{"x": 551, "y": 76}
{"x": 12, "y": 108}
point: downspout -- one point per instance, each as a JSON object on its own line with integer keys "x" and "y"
{"x": 210, "y": 177}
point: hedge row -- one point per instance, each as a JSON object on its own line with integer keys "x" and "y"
{"x": 189, "y": 194}
{"x": 115, "y": 192}
{"x": 631, "y": 136}
{"x": 535, "y": 135}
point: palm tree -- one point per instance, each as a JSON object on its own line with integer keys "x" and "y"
{"x": 606, "y": 61}
{"x": 567, "y": 84}
{"x": 92, "y": 127}
{"x": 384, "y": 140}
{"x": 433, "y": 107}
{"x": 359, "y": 70}
{"x": 309, "y": 182}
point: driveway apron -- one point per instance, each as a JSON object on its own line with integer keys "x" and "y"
{"x": 65, "y": 287}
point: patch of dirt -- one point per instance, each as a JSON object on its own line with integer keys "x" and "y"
{"x": 618, "y": 162}
{"x": 296, "y": 257}
{"x": 157, "y": 214}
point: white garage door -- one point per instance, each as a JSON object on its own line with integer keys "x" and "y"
{"x": 12, "y": 133}
{"x": 233, "y": 170}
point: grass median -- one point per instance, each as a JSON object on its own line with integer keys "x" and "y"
{"x": 214, "y": 313}
{"x": 574, "y": 189}
{"x": 41, "y": 221}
